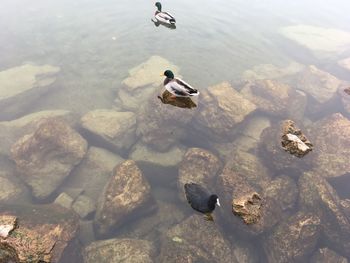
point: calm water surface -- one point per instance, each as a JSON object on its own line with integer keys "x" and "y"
{"x": 96, "y": 42}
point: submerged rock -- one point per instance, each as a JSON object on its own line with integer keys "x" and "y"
{"x": 118, "y": 250}
{"x": 248, "y": 207}
{"x": 127, "y": 193}
{"x": 195, "y": 240}
{"x": 332, "y": 137}
{"x": 293, "y": 140}
{"x": 319, "y": 197}
{"x": 318, "y": 39}
{"x": 46, "y": 157}
{"x": 42, "y": 233}
{"x": 221, "y": 108}
{"x": 274, "y": 98}
{"x": 21, "y": 86}
{"x": 84, "y": 206}
{"x": 326, "y": 255}
{"x": 181, "y": 102}
{"x": 7, "y": 224}
{"x": 198, "y": 166}
{"x": 344, "y": 94}
{"x": 293, "y": 240}
{"x": 10, "y": 191}
{"x": 111, "y": 127}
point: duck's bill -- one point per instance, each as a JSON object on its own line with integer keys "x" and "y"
{"x": 218, "y": 202}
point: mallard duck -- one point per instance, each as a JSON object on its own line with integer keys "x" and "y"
{"x": 178, "y": 87}
{"x": 163, "y": 17}
{"x": 201, "y": 200}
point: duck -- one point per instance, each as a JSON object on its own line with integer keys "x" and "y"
{"x": 163, "y": 17}
{"x": 201, "y": 199}
{"x": 165, "y": 98}
{"x": 177, "y": 87}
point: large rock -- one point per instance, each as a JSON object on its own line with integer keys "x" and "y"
{"x": 113, "y": 128}
{"x": 46, "y": 157}
{"x": 326, "y": 255}
{"x": 10, "y": 190}
{"x": 195, "y": 240}
{"x": 21, "y": 86}
{"x": 275, "y": 98}
{"x": 318, "y": 39}
{"x": 198, "y": 166}
{"x": 318, "y": 197}
{"x": 293, "y": 240}
{"x": 120, "y": 250}
{"x": 160, "y": 126}
{"x": 42, "y": 233}
{"x": 93, "y": 172}
{"x": 11, "y": 131}
{"x": 221, "y": 108}
{"x": 320, "y": 85}
{"x": 142, "y": 82}
{"x": 332, "y": 137}
{"x": 127, "y": 193}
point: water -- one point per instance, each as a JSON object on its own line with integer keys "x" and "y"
{"x": 95, "y": 43}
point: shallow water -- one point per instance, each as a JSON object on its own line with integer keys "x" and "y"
{"x": 95, "y": 43}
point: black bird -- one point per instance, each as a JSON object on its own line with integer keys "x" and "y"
{"x": 201, "y": 200}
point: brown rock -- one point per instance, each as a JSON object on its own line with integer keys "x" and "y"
{"x": 198, "y": 166}
{"x": 332, "y": 137}
{"x": 124, "y": 195}
{"x": 326, "y": 255}
{"x": 42, "y": 234}
{"x": 248, "y": 207}
{"x": 119, "y": 250}
{"x": 7, "y": 224}
{"x": 46, "y": 157}
{"x": 293, "y": 240}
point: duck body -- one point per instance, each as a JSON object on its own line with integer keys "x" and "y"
{"x": 163, "y": 17}
{"x": 178, "y": 87}
{"x": 200, "y": 199}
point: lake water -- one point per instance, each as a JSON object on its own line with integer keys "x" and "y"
{"x": 96, "y": 43}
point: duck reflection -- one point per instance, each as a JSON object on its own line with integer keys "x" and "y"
{"x": 181, "y": 102}
{"x": 157, "y": 23}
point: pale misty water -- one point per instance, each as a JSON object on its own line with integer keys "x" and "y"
{"x": 96, "y": 42}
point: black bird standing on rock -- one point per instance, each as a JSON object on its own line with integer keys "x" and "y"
{"x": 201, "y": 200}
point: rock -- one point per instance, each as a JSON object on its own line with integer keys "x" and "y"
{"x": 318, "y": 196}
{"x": 195, "y": 240}
{"x": 198, "y": 166}
{"x": 320, "y": 85}
{"x": 318, "y": 39}
{"x": 118, "y": 250}
{"x": 293, "y": 140}
{"x": 42, "y": 233}
{"x": 273, "y": 98}
{"x": 283, "y": 189}
{"x": 86, "y": 232}
{"x": 326, "y": 255}
{"x": 269, "y": 71}
{"x": 332, "y": 137}
{"x": 221, "y": 108}
{"x": 344, "y": 94}
{"x": 7, "y": 224}
{"x": 46, "y": 157}
{"x": 64, "y": 200}
{"x": 172, "y": 120}
{"x": 143, "y": 153}
{"x": 302, "y": 230}
{"x": 11, "y": 131}
{"x": 345, "y": 63}
{"x": 84, "y": 206}
{"x": 248, "y": 207}
{"x": 114, "y": 128}
{"x": 143, "y": 81}
{"x": 93, "y": 172}
{"x": 10, "y": 191}
{"x": 181, "y": 102}
{"x": 275, "y": 157}
{"x": 21, "y": 86}
{"x": 126, "y": 194}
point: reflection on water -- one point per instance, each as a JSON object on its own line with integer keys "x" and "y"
{"x": 78, "y": 98}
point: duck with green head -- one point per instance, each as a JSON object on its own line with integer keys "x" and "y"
{"x": 177, "y": 87}
{"x": 163, "y": 17}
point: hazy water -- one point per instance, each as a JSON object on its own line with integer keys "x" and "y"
{"x": 214, "y": 41}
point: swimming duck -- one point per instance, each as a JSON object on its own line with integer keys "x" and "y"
{"x": 201, "y": 200}
{"x": 163, "y": 17}
{"x": 178, "y": 87}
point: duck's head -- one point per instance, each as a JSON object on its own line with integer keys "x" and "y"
{"x": 159, "y": 6}
{"x": 169, "y": 74}
{"x": 213, "y": 200}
